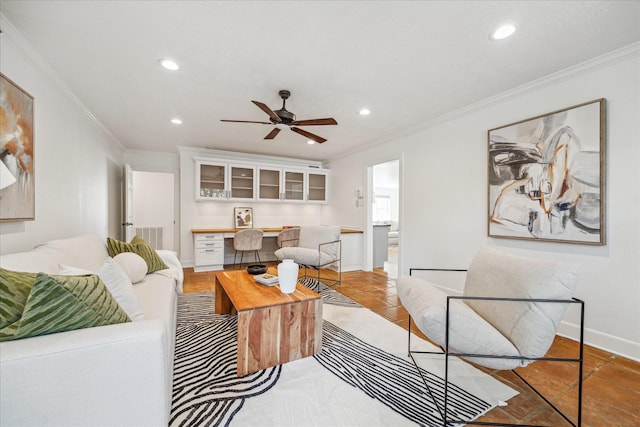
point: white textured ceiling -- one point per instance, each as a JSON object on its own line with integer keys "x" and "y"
{"x": 409, "y": 62}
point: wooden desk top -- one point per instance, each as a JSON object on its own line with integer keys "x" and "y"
{"x": 266, "y": 230}
{"x": 246, "y": 294}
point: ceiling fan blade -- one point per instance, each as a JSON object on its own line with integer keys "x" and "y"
{"x": 309, "y": 135}
{"x": 269, "y": 111}
{"x": 245, "y": 121}
{"x": 272, "y": 134}
{"x": 315, "y": 122}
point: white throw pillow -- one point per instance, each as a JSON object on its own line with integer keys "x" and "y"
{"x": 121, "y": 288}
{"x": 133, "y": 265}
{"x": 116, "y": 281}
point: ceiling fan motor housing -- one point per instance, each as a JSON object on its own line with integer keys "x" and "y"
{"x": 286, "y": 116}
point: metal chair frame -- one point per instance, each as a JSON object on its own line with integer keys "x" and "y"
{"x": 256, "y": 256}
{"x": 318, "y": 267}
{"x": 447, "y": 353}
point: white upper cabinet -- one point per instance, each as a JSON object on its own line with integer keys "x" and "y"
{"x": 269, "y": 183}
{"x": 243, "y": 182}
{"x": 211, "y": 181}
{"x": 294, "y": 185}
{"x": 317, "y": 186}
{"x": 223, "y": 180}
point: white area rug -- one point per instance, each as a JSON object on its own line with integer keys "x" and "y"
{"x": 363, "y": 377}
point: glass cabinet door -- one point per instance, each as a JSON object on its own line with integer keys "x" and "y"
{"x": 211, "y": 181}
{"x": 293, "y": 185}
{"x": 269, "y": 184}
{"x": 317, "y": 190}
{"x": 242, "y": 182}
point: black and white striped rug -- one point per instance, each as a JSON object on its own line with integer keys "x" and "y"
{"x": 351, "y": 382}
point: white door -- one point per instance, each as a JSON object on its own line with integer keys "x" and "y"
{"x": 128, "y": 230}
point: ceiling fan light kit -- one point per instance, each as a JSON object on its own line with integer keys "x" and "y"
{"x": 283, "y": 119}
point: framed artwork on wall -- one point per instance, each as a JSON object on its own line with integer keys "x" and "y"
{"x": 17, "y": 186}
{"x": 243, "y": 217}
{"x": 546, "y": 177}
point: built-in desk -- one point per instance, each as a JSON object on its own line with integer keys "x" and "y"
{"x": 213, "y": 247}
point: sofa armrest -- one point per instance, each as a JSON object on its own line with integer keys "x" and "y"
{"x": 109, "y": 375}
{"x": 171, "y": 259}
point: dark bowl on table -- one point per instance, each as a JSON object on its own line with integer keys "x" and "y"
{"x": 256, "y": 269}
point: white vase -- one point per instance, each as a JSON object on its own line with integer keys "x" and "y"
{"x": 288, "y": 276}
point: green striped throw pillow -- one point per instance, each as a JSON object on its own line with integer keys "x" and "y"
{"x": 138, "y": 246}
{"x": 14, "y": 291}
{"x": 59, "y": 303}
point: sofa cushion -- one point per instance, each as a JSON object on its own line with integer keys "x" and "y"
{"x": 133, "y": 265}
{"x": 138, "y": 246}
{"x": 116, "y": 281}
{"x": 32, "y": 261}
{"x": 62, "y": 303}
{"x": 84, "y": 251}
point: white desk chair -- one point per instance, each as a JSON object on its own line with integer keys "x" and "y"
{"x": 247, "y": 240}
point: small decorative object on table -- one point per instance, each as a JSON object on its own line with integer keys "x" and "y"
{"x": 256, "y": 268}
{"x": 266, "y": 279}
{"x": 288, "y": 272}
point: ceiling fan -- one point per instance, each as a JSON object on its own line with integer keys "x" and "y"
{"x": 283, "y": 119}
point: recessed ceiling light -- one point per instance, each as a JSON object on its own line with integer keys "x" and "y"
{"x": 502, "y": 32}
{"x": 169, "y": 64}
{"x": 176, "y": 121}
{"x": 365, "y": 112}
{"x": 310, "y": 142}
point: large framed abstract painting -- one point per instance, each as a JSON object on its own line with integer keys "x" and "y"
{"x": 546, "y": 177}
{"x": 17, "y": 186}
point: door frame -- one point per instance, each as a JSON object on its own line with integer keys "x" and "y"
{"x": 368, "y": 235}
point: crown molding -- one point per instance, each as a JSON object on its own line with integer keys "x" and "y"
{"x": 621, "y": 54}
{"x": 10, "y": 34}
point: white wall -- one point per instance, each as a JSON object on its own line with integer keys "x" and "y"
{"x": 77, "y": 164}
{"x": 444, "y": 192}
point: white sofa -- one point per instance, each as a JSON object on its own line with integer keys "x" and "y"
{"x": 116, "y": 375}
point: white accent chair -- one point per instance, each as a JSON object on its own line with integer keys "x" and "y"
{"x": 507, "y": 316}
{"x": 318, "y": 247}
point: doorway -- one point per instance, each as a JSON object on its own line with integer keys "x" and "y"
{"x": 384, "y": 216}
{"x": 149, "y": 207}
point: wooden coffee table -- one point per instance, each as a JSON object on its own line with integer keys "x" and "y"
{"x": 273, "y": 328}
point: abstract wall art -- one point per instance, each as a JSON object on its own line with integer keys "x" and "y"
{"x": 17, "y": 186}
{"x": 243, "y": 217}
{"x": 546, "y": 177}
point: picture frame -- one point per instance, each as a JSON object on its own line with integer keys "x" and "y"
{"x": 17, "y": 153}
{"x": 546, "y": 177}
{"x": 243, "y": 217}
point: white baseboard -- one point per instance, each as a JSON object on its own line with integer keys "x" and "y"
{"x": 603, "y": 341}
